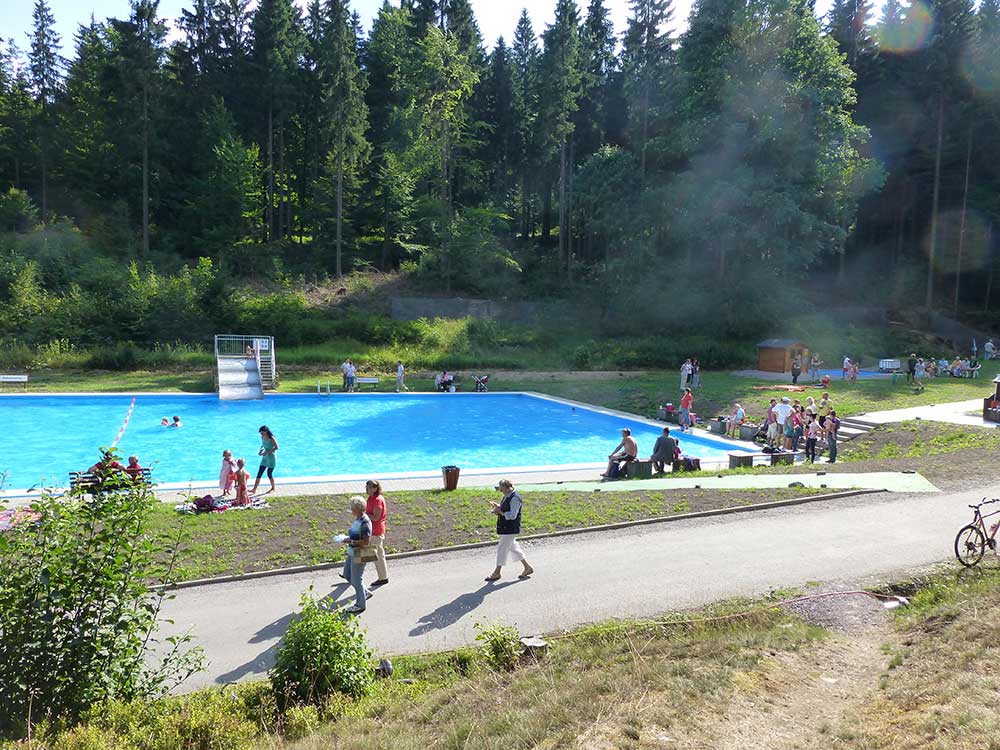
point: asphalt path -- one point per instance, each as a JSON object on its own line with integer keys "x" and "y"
{"x": 432, "y": 602}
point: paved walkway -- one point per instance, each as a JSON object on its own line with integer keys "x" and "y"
{"x": 954, "y": 412}
{"x": 892, "y": 481}
{"x": 433, "y": 601}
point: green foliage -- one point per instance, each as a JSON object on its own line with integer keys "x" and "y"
{"x": 322, "y": 653}
{"x": 501, "y": 645}
{"x": 18, "y": 212}
{"x": 77, "y": 614}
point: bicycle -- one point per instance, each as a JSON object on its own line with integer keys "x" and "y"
{"x": 973, "y": 540}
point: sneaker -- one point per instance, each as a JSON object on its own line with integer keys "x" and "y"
{"x": 354, "y": 610}
{"x": 368, "y": 595}
{"x": 380, "y": 582}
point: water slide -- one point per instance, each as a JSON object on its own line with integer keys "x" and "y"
{"x": 239, "y": 379}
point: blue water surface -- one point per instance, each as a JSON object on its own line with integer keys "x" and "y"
{"x": 373, "y": 434}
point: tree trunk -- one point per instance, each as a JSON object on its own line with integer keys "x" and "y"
{"x": 932, "y": 253}
{"x": 283, "y": 215}
{"x": 145, "y": 168}
{"x": 45, "y": 180}
{"x": 961, "y": 229}
{"x": 992, "y": 263}
{"x": 645, "y": 131}
{"x": 340, "y": 207}
{"x": 547, "y": 213}
{"x": 569, "y": 210}
{"x": 385, "y": 229}
{"x": 525, "y": 232}
{"x": 269, "y": 209}
{"x": 562, "y": 209}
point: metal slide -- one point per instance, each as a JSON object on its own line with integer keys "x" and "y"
{"x": 239, "y": 378}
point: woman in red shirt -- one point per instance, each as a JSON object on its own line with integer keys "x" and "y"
{"x": 376, "y": 512}
{"x": 686, "y": 400}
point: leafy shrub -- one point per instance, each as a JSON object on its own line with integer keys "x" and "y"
{"x": 91, "y": 737}
{"x": 582, "y": 356}
{"x": 77, "y": 614}
{"x": 501, "y": 645}
{"x": 322, "y": 653}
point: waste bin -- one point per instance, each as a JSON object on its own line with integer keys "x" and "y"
{"x": 450, "y": 474}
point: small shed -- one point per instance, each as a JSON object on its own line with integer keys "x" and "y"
{"x": 775, "y": 355}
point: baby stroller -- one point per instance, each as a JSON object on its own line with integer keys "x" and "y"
{"x": 482, "y": 384}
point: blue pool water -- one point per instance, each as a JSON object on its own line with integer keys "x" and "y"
{"x": 49, "y": 436}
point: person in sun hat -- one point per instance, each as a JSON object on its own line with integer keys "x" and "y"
{"x": 508, "y": 513}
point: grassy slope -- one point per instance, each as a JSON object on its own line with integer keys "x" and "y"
{"x": 300, "y": 530}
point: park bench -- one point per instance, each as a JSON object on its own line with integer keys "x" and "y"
{"x": 91, "y": 479}
{"x": 23, "y": 379}
{"x": 639, "y": 470}
{"x": 741, "y": 460}
{"x": 371, "y": 380}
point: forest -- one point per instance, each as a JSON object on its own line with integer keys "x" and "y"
{"x": 761, "y": 164}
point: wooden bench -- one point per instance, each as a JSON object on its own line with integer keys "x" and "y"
{"x": 639, "y": 470}
{"x": 90, "y": 479}
{"x": 372, "y": 381}
{"x": 23, "y": 379}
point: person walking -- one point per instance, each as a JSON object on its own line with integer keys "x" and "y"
{"x": 911, "y": 369}
{"x": 357, "y": 538}
{"x": 508, "y": 513}
{"x": 375, "y": 509}
{"x": 796, "y": 368}
{"x": 831, "y": 427}
{"x": 400, "y": 372}
{"x": 268, "y": 447}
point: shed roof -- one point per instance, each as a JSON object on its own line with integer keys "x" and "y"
{"x": 778, "y": 343}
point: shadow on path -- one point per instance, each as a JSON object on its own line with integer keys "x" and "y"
{"x": 275, "y": 630}
{"x": 451, "y": 612}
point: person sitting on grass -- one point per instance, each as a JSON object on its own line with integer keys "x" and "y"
{"x": 625, "y": 452}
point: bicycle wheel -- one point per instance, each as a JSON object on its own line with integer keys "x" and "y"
{"x": 970, "y": 544}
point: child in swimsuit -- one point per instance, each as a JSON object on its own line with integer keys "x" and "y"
{"x": 242, "y": 475}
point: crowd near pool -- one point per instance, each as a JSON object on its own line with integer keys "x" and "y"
{"x": 319, "y": 436}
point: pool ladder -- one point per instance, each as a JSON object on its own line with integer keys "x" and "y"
{"x": 319, "y": 391}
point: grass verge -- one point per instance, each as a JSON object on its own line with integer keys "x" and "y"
{"x": 611, "y": 685}
{"x": 300, "y": 530}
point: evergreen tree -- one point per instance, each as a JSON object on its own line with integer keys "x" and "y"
{"x": 498, "y": 90}
{"x": 525, "y": 59}
{"x": 645, "y": 60}
{"x": 18, "y": 113}
{"x": 46, "y": 82}
{"x": 560, "y": 87}
{"x": 277, "y": 44}
{"x": 597, "y": 51}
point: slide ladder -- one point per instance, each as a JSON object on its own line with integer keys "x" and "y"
{"x": 239, "y": 378}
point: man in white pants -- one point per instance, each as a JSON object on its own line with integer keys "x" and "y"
{"x": 400, "y": 372}
{"x": 508, "y": 513}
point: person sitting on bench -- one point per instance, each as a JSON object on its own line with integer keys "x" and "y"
{"x": 105, "y": 467}
{"x": 626, "y": 451}
{"x": 664, "y": 450}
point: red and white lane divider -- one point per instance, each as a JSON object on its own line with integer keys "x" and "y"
{"x": 125, "y": 423}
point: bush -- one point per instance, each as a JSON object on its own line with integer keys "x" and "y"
{"x": 301, "y": 721}
{"x": 501, "y": 645}
{"x": 208, "y": 720}
{"x": 91, "y": 737}
{"x": 77, "y": 614}
{"x": 322, "y": 653}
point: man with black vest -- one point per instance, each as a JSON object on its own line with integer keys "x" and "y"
{"x": 508, "y": 513}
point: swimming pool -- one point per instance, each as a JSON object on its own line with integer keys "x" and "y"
{"x": 319, "y": 436}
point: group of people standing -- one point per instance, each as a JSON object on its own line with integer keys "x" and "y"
{"x": 233, "y": 473}
{"x": 690, "y": 373}
{"x": 787, "y": 424}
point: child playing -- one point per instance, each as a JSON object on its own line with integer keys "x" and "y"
{"x": 227, "y": 473}
{"x": 242, "y": 475}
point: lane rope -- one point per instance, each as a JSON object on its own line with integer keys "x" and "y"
{"x": 125, "y": 423}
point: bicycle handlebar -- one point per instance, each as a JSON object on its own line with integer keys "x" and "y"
{"x": 985, "y": 502}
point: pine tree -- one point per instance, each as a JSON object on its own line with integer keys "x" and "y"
{"x": 847, "y": 25}
{"x": 560, "y": 87}
{"x": 277, "y": 44}
{"x": 498, "y": 88}
{"x": 645, "y": 60}
{"x": 597, "y": 51}
{"x": 46, "y": 81}
{"x": 525, "y": 59}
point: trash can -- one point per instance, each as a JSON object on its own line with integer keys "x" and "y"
{"x": 450, "y": 474}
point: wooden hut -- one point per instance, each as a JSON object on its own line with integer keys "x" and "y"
{"x": 991, "y": 404}
{"x": 775, "y": 355}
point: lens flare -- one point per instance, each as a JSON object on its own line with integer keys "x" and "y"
{"x": 981, "y": 68}
{"x": 911, "y": 33}
{"x": 958, "y": 251}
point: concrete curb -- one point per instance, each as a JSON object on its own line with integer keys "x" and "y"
{"x": 534, "y": 537}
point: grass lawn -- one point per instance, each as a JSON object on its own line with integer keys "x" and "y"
{"x": 639, "y": 394}
{"x": 300, "y": 530}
